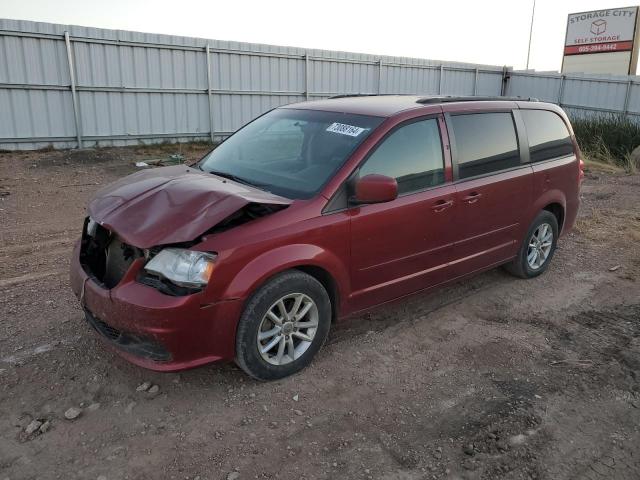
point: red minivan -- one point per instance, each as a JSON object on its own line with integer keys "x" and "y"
{"x": 317, "y": 211}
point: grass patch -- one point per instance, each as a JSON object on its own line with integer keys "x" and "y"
{"x": 592, "y": 165}
{"x": 598, "y": 223}
{"x": 608, "y": 139}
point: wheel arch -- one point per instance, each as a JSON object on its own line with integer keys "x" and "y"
{"x": 553, "y": 201}
{"x": 328, "y": 282}
{"x": 313, "y": 260}
{"x": 558, "y": 211}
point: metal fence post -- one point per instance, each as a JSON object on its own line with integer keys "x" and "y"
{"x": 475, "y": 82}
{"x": 440, "y": 80}
{"x": 506, "y": 77}
{"x": 561, "y": 91}
{"x": 74, "y": 99}
{"x": 627, "y": 98}
{"x": 209, "y": 95}
{"x": 306, "y": 76}
{"x": 379, "y": 76}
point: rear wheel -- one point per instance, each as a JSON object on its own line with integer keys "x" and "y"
{"x": 283, "y": 325}
{"x": 537, "y": 248}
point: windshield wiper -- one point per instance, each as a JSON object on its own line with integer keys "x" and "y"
{"x": 235, "y": 178}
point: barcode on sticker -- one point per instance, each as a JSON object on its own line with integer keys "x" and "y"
{"x": 343, "y": 129}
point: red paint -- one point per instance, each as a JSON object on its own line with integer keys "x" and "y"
{"x": 492, "y": 211}
{"x": 182, "y": 324}
{"x": 376, "y": 189}
{"x": 373, "y": 253}
{"x": 598, "y": 48}
{"x": 401, "y": 246}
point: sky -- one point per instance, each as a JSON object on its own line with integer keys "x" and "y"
{"x": 494, "y": 32}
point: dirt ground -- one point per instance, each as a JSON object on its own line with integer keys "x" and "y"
{"x": 491, "y": 378}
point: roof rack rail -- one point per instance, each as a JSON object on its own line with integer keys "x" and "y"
{"x": 452, "y": 98}
{"x": 348, "y": 95}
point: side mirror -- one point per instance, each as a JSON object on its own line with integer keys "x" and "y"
{"x": 375, "y": 188}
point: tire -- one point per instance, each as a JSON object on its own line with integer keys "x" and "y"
{"x": 297, "y": 333}
{"x": 522, "y": 266}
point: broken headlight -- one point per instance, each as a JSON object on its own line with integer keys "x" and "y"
{"x": 92, "y": 227}
{"x": 183, "y": 267}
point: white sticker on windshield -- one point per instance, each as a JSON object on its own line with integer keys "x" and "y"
{"x": 343, "y": 129}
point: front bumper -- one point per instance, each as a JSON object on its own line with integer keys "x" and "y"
{"x": 153, "y": 330}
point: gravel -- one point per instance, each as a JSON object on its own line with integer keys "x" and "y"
{"x": 457, "y": 366}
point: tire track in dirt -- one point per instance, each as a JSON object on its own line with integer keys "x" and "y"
{"x": 25, "y": 248}
{"x": 13, "y": 281}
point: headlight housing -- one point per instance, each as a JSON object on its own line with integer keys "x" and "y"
{"x": 92, "y": 227}
{"x": 183, "y": 267}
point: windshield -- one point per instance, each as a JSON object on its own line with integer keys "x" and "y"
{"x": 290, "y": 152}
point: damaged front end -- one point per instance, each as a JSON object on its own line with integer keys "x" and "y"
{"x": 103, "y": 256}
{"x": 157, "y": 217}
{"x": 174, "y": 205}
{"x": 250, "y": 212}
{"x": 106, "y": 258}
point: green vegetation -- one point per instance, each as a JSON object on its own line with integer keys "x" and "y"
{"x": 609, "y": 139}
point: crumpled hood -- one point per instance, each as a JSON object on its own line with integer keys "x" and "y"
{"x": 171, "y": 204}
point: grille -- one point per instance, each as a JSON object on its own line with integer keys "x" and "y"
{"x": 135, "y": 344}
{"x": 106, "y": 330}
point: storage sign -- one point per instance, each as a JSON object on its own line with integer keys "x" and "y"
{"x": 601, "y": 31}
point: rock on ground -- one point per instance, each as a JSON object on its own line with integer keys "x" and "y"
{"x": 72, "y": 413}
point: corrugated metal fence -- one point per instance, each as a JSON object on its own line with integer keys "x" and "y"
{"x": 69, "y": 86}
{"x": 581, "y": 95}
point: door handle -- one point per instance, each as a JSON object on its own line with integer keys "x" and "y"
{"x": 441, "y": 205}
{"x": 473, "y": 197}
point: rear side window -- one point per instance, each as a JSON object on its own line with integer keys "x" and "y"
{"x": 412, "y": 155}
{"x": 485, "y": 143}
{"x": 548, "y": 135}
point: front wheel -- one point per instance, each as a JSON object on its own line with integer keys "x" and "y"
{"x": 284, "y": 324}
{"x": 538, "y": 247}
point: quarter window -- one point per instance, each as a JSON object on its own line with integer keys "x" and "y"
{"x": 548, "y": 135}
{"x": 485, "y": 143}
{"x": 412, "y": 155}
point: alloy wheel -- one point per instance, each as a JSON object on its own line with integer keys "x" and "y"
{"x": 287, "y": 329}
{"x": 540, "y": 245}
